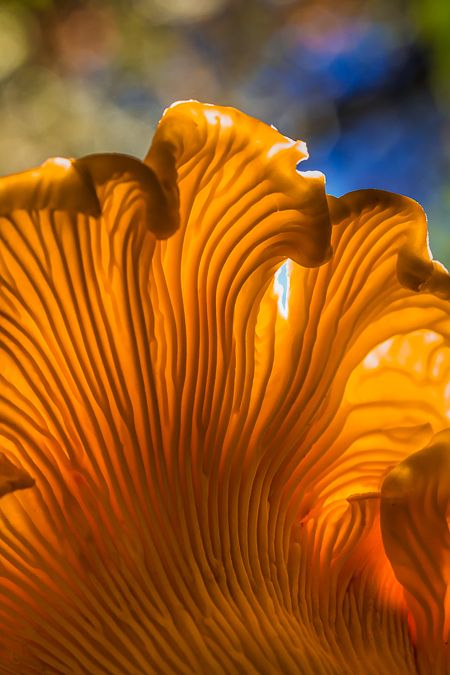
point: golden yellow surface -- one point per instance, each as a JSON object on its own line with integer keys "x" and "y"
{"x": 192, "y": 482}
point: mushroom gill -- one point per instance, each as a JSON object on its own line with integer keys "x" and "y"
{"x": 190, "y": 481}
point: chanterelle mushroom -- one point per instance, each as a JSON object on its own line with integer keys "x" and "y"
{"x": 192, "y": 481}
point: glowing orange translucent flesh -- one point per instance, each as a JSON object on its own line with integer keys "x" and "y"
{"x": 204, "y": 474}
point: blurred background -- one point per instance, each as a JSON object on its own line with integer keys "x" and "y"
{"x": 365, "y": 84}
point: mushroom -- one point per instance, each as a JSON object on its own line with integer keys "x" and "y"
{"x": 191, "y": 480}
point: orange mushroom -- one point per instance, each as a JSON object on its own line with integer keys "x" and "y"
{"x": 192, "y": 481}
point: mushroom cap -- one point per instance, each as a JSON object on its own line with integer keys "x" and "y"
{"x": 191, "y": 480}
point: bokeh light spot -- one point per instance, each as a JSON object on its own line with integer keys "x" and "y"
{"x": 14, "y": 43}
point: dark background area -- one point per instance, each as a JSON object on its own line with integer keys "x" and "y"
{"x": 365, "y": 84}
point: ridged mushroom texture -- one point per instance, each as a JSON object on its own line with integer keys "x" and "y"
{"x": 200, "y": 472}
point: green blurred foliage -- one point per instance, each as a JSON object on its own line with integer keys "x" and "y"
{"x": 433, "y": 21}
{"x": 432, "y": 18}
